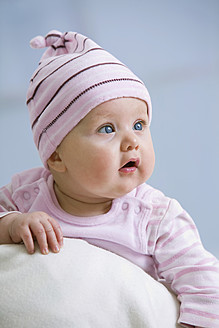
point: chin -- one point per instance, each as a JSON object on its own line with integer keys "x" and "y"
{"x": 126, "y": 188}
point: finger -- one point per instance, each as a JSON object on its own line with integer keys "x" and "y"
{"x": 58, "y": 231}
{"x": 39, "y": 232}
{"x": 27, "y": 238}
{"x": 51, "y": 236}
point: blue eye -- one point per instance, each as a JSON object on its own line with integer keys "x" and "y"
{"x": 138, "y": 126}
{"x": 106, "y": 129}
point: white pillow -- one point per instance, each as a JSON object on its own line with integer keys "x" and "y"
{"x": 83, "y": 286}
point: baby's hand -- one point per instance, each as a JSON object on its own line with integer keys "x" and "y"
{"x": 25, "y": 227}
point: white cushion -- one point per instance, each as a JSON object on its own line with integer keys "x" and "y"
{"x": 83, "y": 286}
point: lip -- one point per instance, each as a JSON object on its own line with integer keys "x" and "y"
{"x": 130, "y": 169}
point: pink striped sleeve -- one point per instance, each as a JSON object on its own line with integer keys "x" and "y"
{"x": 6, "y": 202}
{"x": 191, "y": 271}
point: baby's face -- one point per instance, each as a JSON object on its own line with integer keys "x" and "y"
{"x": 110, "y": 152}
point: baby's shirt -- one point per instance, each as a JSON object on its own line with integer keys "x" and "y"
{"x": 145, "y": 227}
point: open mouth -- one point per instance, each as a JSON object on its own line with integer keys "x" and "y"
{"x": 130, "y": 166}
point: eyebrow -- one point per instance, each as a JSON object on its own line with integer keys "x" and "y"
{"x": 109, "y": 115}
{"x": 99, "y": 114}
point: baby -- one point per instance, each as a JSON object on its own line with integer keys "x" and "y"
{"x": 90, "y": 117}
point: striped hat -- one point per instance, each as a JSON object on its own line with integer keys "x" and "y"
{"x": 74, "y": 76}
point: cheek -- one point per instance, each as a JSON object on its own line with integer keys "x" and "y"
{"x": 147, "y": 156}
{"x": 100, "y": 164}
{"x": 89, "y": 160}
{"x": 149, "y": 161}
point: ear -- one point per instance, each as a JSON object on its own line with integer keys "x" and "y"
{"x": 56, "y": 163}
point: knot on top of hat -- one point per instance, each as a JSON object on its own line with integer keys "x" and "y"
{"x": 41, "y": 42}
{"x": 58, "y": 43}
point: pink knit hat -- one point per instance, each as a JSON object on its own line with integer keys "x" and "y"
{"x": 74, "y": 76}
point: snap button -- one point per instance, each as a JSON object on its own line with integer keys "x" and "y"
{"x": 26, "y": 195}
{"x": 137, "y": 209}
{"x": 125, "y": 206}
{"x": 36, "y": 190}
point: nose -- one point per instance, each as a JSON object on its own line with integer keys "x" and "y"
{"x": 129, "y": 142}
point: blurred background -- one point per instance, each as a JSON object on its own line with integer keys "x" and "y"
{"x": 173, "y": 46}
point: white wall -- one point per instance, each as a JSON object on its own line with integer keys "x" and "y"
{"x": 172, "y": 45}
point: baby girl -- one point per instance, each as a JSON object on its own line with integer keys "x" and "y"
{"x": 90, "y": 117}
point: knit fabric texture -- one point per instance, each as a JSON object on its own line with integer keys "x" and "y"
{"x": 74, "y": 76}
